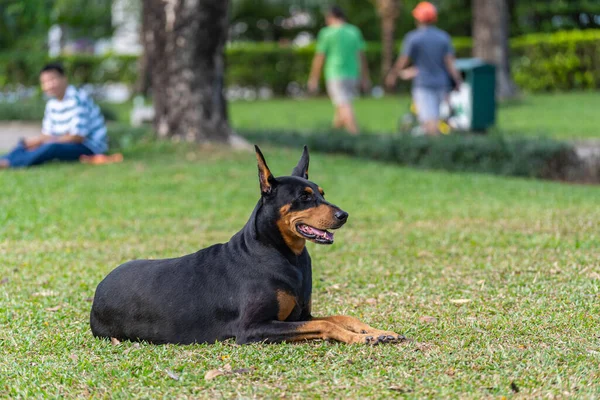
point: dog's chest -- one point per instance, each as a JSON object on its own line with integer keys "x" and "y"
{"x": 290, "y": 307}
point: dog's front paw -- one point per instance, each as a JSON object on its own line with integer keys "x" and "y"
{"x": 380, "y": 339}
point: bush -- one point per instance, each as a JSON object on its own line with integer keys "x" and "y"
{"x": 558, "y": 61}
{"x": 23, "y": 68}
{"x": 536, "y": 158}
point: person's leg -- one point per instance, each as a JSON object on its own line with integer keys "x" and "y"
{"x": 427, "y": 102}
{"x": 8, "y": 159}
{"x": 333, "y": 91}
{"x": 338, "y": 122}
{"x": 348, "y": 118}
{"x": 48, "y": 152}
{"x": 341, "y": 93}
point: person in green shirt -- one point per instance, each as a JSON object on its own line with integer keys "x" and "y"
{"x": 340, "y": 47}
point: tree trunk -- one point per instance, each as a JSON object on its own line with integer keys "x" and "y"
{"x": 490, "y": 42}
{"x": 185, "y": 42}
{"x": 388, "y": 11}
{"x": 144, "y": 83}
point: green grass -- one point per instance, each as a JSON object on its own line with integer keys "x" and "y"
{"x": 525, "y": 253}
{"x": 561, "y": 116}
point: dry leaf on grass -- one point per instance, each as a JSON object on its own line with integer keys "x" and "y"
{"x": 460, "y": 301}
{"x": 114, "y": 341}
{"x": 74, "y": 357}
{"x": 172, "y": 374}
{"x": 428, "y": 319}
{"x": 3, "y": 281}
{"x": 212, "y": 374}
{"x": 371, "y": 301}
{"x": 53, "y": 309}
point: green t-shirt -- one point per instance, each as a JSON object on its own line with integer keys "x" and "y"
{"x": 341, "y": 46}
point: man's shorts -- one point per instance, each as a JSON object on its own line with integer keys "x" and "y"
{"x": 342, "y": 91}
{"x": 428, "y": 101}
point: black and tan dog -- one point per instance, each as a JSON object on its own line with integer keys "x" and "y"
{"x": 256, "y": 287}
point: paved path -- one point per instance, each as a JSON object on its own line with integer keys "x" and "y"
{"x": 11, "y": 132}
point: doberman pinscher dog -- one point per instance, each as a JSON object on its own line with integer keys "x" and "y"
{"x": 254, "y": 288}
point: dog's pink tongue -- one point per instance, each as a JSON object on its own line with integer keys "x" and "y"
{"x": 323, "y": 234}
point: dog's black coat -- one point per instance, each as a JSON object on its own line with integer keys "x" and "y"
{"x": 224, "y": 291}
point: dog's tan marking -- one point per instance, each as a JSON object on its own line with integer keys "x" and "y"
{"x": 286, "y": 303}
{"x": 320, "y": 217}
{"x": 291, "y": 237}
{"x": 355, "y": 325}
{"x": 321, "y": 191}
{"x": 308, "y": 190}
{"x": 326, "y": 330}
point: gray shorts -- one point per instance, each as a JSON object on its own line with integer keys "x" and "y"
{"x": 428, "y": 101}
{"x": 342, "y": 91}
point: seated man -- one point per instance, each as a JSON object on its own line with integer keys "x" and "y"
{"x": 73, "y": 125}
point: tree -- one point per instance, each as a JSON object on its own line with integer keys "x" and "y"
{"x": 490, "y": 41}
{"x": 388, "y": 11}
{"x": 184, "y": 43}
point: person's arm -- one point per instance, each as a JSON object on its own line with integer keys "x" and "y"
{"x": 36, "y": 141}
{"x": 451, "y": 68}
{"x": 449, "y": 62}
{"x": 401, "y": 63}
{"x": 315, "y": 72}
{"x": 318, "y": 61}
{"x": 68, "y": 138}
{"x": 80, "y": 125}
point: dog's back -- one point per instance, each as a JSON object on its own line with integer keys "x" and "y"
{"x": 167, "y": 301}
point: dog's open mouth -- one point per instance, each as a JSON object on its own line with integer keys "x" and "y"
{"x": 314, "y": 234}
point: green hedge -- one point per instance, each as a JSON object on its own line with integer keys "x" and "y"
{"x": 541, "y": 62}
{"x": 535, "y": 158}
{"x": 23, "y": 68}
{"x": 559, "y": 61}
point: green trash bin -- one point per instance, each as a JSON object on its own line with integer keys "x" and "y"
{"x": 474, "y": 105}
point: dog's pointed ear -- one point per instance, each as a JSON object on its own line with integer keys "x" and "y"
{"x": 264, "y": 174}
{"x": 301, "y": 169}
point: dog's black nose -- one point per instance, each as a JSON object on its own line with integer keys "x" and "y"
{"x": 341, "y": 216}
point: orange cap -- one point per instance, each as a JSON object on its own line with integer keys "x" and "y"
{"x": 425, "y": 12}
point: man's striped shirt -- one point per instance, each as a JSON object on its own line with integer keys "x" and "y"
{"x": 76, "y": 114}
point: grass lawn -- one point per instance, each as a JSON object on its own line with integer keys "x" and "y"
{"x": 562, "y": 116}
{"x": 497, "y": 281}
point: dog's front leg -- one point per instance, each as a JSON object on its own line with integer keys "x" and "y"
{"x": 280, "y": 331}
{"x": 355, "y": 325}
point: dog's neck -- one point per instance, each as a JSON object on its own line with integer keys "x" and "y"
{"x": 262, "y": 227}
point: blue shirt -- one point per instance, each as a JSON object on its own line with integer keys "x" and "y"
{"x": 76, "y": 114}
{"x": 427, "y": 47}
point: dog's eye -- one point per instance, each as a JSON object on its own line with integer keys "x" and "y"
{"x": 306, "y": 197}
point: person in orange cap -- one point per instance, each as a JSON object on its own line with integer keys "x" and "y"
{"x": 429, "y": 50}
